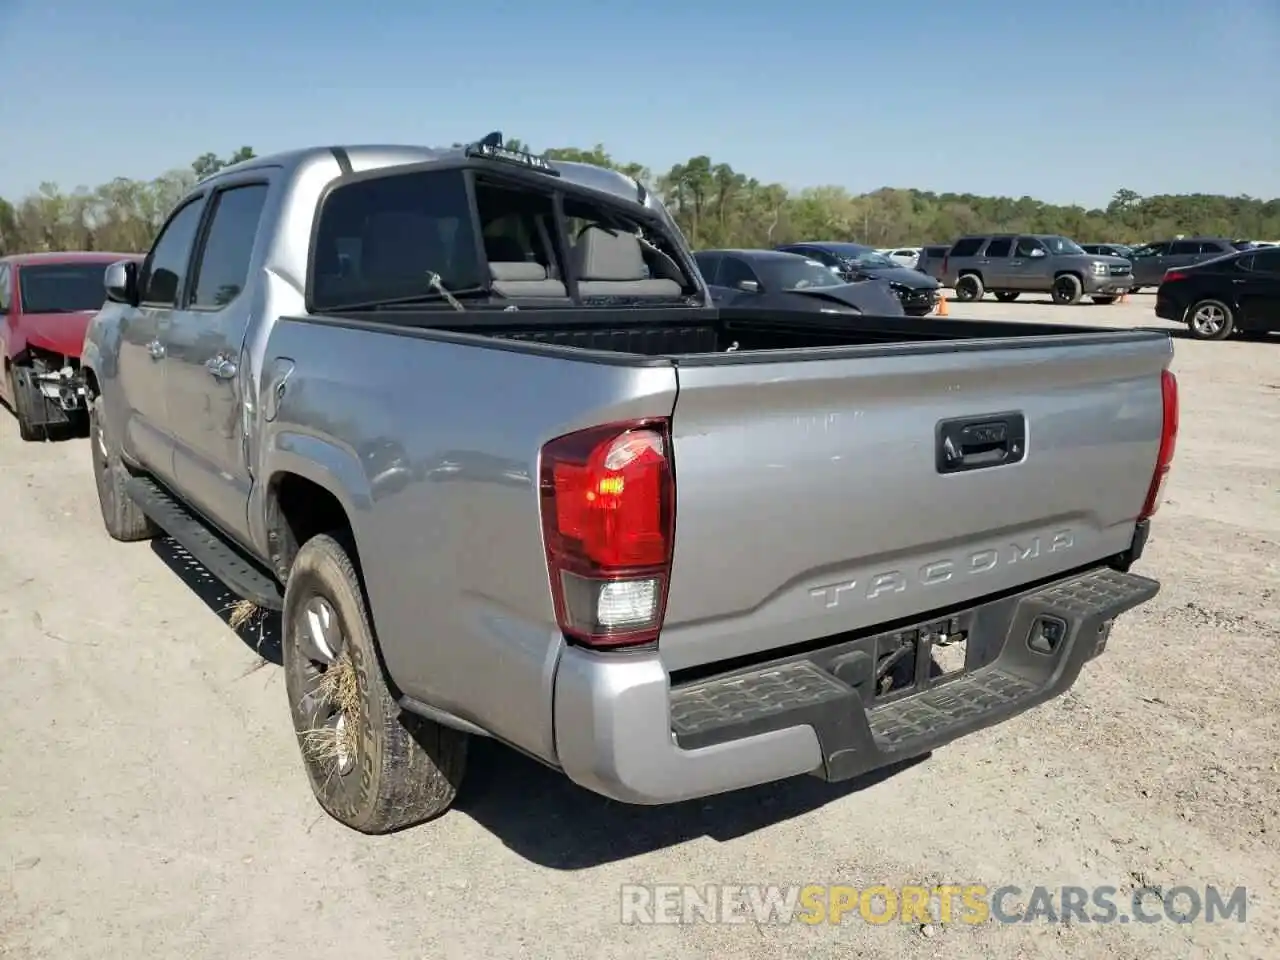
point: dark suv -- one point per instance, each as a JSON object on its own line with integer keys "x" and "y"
{"x": 1010, "y": 264}
{"x": 1151, "y": 260}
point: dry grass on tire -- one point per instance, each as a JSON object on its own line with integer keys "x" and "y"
{"x": 339, "y": 686}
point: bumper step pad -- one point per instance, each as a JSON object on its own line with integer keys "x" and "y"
{"x": 857, "y": 738}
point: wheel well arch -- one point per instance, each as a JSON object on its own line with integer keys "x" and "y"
{"x": 297, "y": 509}
{"x": 1071, "y": 272}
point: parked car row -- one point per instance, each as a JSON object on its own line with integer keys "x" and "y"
{"x": 832, "y": 277}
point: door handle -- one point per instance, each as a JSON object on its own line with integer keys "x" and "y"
{"x": 220, "y": 368}
{"x": 973, "y": 443}
{"x": 156, "y": 349}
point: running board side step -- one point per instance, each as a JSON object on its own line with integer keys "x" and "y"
{"x": 222, "y": 558}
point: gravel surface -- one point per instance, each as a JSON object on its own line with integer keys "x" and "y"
{"x": 153, "y": 804}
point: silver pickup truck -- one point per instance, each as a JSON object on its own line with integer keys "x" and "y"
{"x": 469, "y": 419}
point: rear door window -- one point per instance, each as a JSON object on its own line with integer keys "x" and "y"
{"x": 1000, "y": 247}
{"x": 967, "y": 247}
{"x": 228, "y": 246}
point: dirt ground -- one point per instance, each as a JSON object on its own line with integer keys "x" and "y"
{"x": 152, "y": 802}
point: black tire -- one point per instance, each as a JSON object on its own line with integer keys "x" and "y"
{"x": 20, "y": 391}
{"x": 1104, "y": 301}
{"x": 380, "y": 770}
{"x": 969, "y": 288}
{"x": 1067, "y": 289}
{"x": 1135, "y": 289}
{"x": 121, "y": 515}
{"x": 1007, "y": 296}
{"x": 1210, "y": 319}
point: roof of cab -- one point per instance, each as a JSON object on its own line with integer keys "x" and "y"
{"x": 376, "y": 156}
{"x": 67, "y": 256}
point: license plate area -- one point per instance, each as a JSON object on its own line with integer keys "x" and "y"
{"x": 916, "y": 659}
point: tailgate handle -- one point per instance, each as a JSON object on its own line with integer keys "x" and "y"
{"x": 972, "y": 443}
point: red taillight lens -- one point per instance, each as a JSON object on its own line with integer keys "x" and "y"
{"x": 1170, "y": 276}
{"x": 608, "y": 522}
{"x": 1168, "y": 440}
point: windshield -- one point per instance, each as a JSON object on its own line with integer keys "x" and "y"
{"x": 62, "y": 287}
{"x": 798, "y": 274}
{"x": 1062, "y": 245}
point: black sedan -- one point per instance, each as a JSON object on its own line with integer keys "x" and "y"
{"x": 771, "y": 280}
{"x": 917, "y": 291}
{"x": 1238, "y": 293}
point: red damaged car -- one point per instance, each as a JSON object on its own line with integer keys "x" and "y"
{"x": 46, "y": 302}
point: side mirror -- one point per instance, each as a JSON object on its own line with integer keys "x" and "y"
{"x": 1038, "y": 252}
{"x": 121, "y": 282}
{"x": 748, "y": 286}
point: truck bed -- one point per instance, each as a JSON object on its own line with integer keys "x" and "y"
{"x": 688, "y": 335}
{"x": 810, "y": 496}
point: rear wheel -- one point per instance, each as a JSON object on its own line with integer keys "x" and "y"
{"x": 1007, "y": 296}
{"x": 969, "y": 288}
{"x": 1104, "y": 301}
{"x": 1067, "y": 289}
{"x": 1210, "y": 320}
{"x": 372, "y": 768}
{"x": 20, "y": 390}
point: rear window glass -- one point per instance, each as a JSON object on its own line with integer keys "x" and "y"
{"x": 383, "y": 238}
{"x": 967, "y": 247}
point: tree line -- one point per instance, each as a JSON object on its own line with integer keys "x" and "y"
{"x": 715, "y": 205}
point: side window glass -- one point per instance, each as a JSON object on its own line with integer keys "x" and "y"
{"x": 166, "y": 265}
{"x": 1214, "y": 248}
{"x": 4, "y": 289}
{"x": 1027, "y": 246}
{"x": 1184, "y": 247}
{"x": 733, "y": 271}
{"x": 967, "y": 247}
{"x": 707, "y": 264}
{"x": 1267, "y": 261}
{"x": 224, "y": 260}
{"x": 999, "y": 247}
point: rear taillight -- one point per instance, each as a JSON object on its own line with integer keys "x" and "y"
{"x": 1168, "y": 440}
{"x": 608, "y": 523}
{"x": 1171, "y": 276}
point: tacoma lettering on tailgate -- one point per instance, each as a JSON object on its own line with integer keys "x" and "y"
{"x": 944, "y": 569}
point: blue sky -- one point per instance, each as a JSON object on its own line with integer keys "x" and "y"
{"x": 1063, "y": 101}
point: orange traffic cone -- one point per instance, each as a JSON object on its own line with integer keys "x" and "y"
{"x": 942, "y": 305}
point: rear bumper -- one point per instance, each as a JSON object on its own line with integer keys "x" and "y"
{"x": 623, "y": 732}
{"x": 1170, "y": 308}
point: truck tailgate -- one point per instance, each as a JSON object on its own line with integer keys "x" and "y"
{"x": 811, "y": 497}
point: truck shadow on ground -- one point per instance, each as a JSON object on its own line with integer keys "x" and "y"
{"x": 259, "y": 630}
{"x": 542, "y": 816}
{"x": 538, "y": 813}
